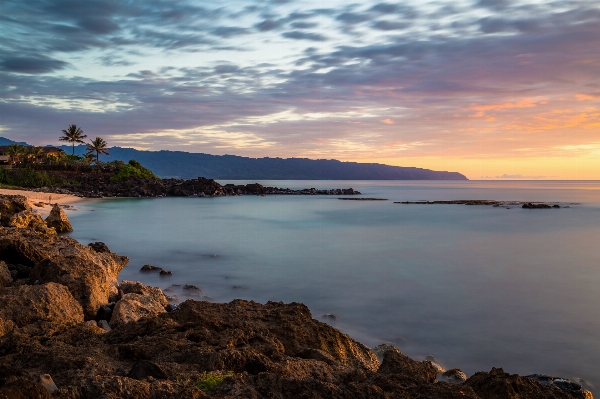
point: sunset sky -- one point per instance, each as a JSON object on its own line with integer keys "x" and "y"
{"x": 489, "y": 88}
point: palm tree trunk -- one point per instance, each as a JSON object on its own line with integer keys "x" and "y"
{"x": 73, "y": 148}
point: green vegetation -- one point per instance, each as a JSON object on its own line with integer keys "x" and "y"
{"x": 208, "y": 380}
{"x": 99, "y": 146}
{"x": 131, "y": 169}
{"x": 73, "y": 135}
{"x": 25, "y": 177}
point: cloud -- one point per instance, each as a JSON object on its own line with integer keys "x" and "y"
{"x": 298, "y": 35}
{"x": 520, "y": 176}
{"x": 31, "y": 65}
{"x": 267, "y": 25}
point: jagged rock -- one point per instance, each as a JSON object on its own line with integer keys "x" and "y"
{"x": 133, "y": 307}
{"x": 143, "y": 369}
{"x": 30, "y": 220}
{"x": 59, "y": 220}
{"x": 498, "y": 384}
{"x": 49, "y": 306}
{"x": 11, "y": 205}
{"x": 6, "y": 278}
{"x": 573, "y": 388}
{"x": 90, "y": 276}
{"x": 529, "y": 205}
{"x": 99, "y": 247}
{"x": 452, "y": 376}
{"x": 135, "y": 287}
{"x": 23, "y": 388}
{"x": 48, "y": 383}
{"x": 394, "y": 362}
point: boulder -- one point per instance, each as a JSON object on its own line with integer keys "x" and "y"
{"x": 59, "y": 220}
{"x": 133, "y": 307}
{"x": 11, "y": 205}
{"x": 51, "y": 304}
{"x": 452, "y": 376}
{"x": 30, "y": 220}
{"x": 135, "y": 287}
{"x": 99, "y": 246}
{"x": 90, "y": 276}
{"x": 5, "y": 275}
{"x": 497, "y": 384}
{"x": 396, "y": 363}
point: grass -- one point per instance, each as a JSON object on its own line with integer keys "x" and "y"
{"x": 208, "y": 380}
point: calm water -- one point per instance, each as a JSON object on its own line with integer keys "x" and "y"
{"x": 475, "y": 286}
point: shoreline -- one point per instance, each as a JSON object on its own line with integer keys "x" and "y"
{"x": 44, "y": 198}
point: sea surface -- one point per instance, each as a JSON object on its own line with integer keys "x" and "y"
{"x": 475, "y": 286}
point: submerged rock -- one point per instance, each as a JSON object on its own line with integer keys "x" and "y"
{"x": 58, "y": 220}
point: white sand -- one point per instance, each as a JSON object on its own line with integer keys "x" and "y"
{"x": 46, "y": 199}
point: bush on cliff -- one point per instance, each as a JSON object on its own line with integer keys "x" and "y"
{"x": 26, "y": 177}
{"x": 131, "y": 169}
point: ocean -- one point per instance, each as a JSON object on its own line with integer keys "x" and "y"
{"x": 475, "y": 286}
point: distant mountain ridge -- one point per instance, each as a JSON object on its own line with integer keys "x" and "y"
{"x": 186, "y": 165}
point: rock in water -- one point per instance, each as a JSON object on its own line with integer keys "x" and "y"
{"x": 5, "y": 276}
{"x": 59, "y": 220}
{"x": 452, "y": 376}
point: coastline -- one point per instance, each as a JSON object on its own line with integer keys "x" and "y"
{"x": 46, "y": 199}
{"x": 274, "y": 349}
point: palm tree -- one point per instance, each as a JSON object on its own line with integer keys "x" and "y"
{"x": 73, "y": 135}
{"x": 35, "y": 153}
{"x": 15, "y": 151}
{"x": 99, "y": 146}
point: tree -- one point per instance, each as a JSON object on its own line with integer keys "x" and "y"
{"x": 15, "y": 151}
{"x": 35, "y": 153}
{"x": 73, "y": 135}
{"x": 99, "y": 146}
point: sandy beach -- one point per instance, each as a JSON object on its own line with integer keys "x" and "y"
{"x": 46, "y": 200}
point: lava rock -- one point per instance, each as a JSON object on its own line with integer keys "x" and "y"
{"x": 104, "y": 313}
{"x": 99, "y": 246}
{"x": 143, "y": 369}
{"x": 58, "y": 220}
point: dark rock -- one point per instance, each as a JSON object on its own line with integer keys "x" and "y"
{"x": 396, "y": 363}
{"x": 149, "y": 268}
{"x": 191, "y": 287}
{"x": 6, "y": 277}
{"x": 573, "y": 388}
{"x": 143, "y": 369}
{"x": 529, "y": 205}
{"x": 10, "y": 205}
{"x": 171, "y": 307}
{"x": 498, "y": 384}
{"x": 165, "y": 272}
{"x": 329, "y": 316}
{"x": 452, "y": 376}
{"x": 99, "y": 247}
{"x": 104, "y": 313}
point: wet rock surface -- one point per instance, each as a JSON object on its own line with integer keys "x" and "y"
{"x": 198, "y": 349}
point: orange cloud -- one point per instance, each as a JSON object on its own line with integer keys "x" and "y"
{"x": 587, "y": 97}
{"x": 388, "y": 121}
{"x": 502, "y": 106}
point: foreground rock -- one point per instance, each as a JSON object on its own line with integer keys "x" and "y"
{"x": 90, "y": 276}
{"x": 11, "y": 205}
{"x": 58, "y": 220}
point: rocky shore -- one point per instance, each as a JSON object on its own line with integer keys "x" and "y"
{"x": 69, "y": 329}
{"x": 100, "y": 184}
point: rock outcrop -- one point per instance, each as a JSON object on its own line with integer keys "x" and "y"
{"x": 30, "y": 220}
{"x": 133, "y": 307}
{"x": 51, "y": 305}
{"x": 58, "y": 220}
{"x": 90, "y": 276}
{"x": 11, "y": 205}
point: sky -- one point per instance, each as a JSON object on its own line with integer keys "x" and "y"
{"x": 494, "y": 89}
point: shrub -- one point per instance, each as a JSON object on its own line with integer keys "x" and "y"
{"x": 26, "y": 177}
{"x": 132, "y": 169}
{"x": 208, "y": 380}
